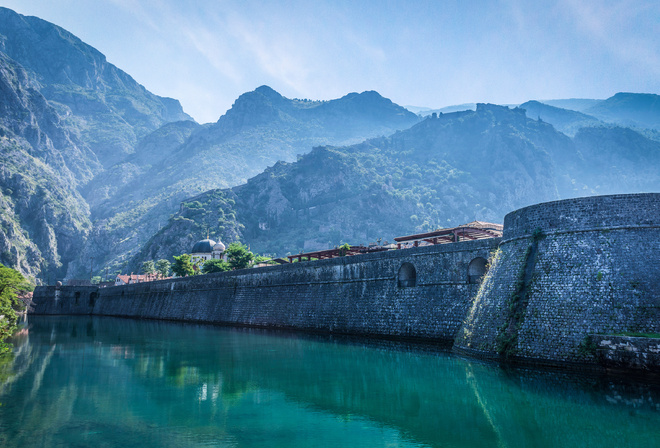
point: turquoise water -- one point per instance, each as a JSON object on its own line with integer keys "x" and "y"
{"x": 103, "y": 382}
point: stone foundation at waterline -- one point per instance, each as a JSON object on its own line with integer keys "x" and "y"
{"x": 563, "y": 272}
{"x": 625, "y": 351}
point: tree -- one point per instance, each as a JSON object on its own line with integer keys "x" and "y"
{"x": 182, "y": 266}
{"x": 211, "y": 266}
{"x": 238, "y": 256}
{"x": 12, "y": 283}
{"x": 343, "y": 249}
{"x": 163, "y": 267}
{"x": 148, "y": 267}
{"x": 96, "y": 280}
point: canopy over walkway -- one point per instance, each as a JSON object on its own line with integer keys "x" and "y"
{"x": 475, "y": 230}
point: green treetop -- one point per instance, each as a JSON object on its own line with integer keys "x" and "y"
{"x": 148, "y": 267}
{"x": 238, "y": 256}
{"x": 182, "y": 266}
{"x": 211, "y": 266}
{"x": 343, "y": 249}
{"x": 163, "y": 267}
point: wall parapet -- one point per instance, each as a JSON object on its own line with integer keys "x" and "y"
{"x": 592, "y": 213}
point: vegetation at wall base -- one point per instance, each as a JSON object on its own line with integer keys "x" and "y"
{"x": 12, "y": 283}
{"x": 635, "y": 334}
{"x": 587, "y": 348}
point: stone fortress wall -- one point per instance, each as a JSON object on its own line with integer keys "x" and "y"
{"x": 563, "y": 273}
{"x": 420, "y": 293}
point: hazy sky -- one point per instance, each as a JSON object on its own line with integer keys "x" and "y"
{"x": 205, "y": 53}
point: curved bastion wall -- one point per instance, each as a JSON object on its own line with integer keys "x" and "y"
{"x": 564, "y": 271}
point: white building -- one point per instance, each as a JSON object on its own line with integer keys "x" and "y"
{"x": 207, "y": 250}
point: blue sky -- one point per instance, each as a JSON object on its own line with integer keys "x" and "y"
{"x": 205, "y": 53}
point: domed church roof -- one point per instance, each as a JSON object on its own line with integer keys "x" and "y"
{"x": 203, "y": 247}
{"x": 219, "y": 247}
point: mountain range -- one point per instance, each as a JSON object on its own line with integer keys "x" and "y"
{"x": 444, "y": 171}
{"x": 98, "y": 174}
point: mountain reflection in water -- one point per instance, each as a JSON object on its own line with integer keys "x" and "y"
{"x": 83, "y": 381}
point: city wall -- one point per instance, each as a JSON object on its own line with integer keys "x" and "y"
{"x": 415, "y": 293}
{"x": 563, "y": 274}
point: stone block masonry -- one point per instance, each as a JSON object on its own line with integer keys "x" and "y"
{"x": 362, "y": 295}
{"x": 625, "y": 351}
{"x": 595, "y": 270}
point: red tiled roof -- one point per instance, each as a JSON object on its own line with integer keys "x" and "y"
{"x": 137, "y": 278}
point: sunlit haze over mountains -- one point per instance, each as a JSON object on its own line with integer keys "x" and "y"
{"x": 430, "y": 53}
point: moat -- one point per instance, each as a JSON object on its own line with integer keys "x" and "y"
{"x": 100, "y": 381}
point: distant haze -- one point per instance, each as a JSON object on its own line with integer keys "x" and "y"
{"x": 428, "y": 53}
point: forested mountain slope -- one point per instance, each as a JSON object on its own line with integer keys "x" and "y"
{"x": 119, "y": 159}
{"x": 261, "y": 128}
{"x": 564, "y": 120}
{"x": 639, "y": 110}
{"x": 444, "y": 171}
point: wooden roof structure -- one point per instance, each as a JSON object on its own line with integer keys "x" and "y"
{"x": 337, "y": 252}
{"x": 475, "y": 230}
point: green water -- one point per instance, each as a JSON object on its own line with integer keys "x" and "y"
{"x": 103, "y": 382}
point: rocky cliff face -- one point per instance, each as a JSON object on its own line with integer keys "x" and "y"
{"x": 104, "y": 105}
{"x": 65, "y": 113}
{"x": 43, "y": 218}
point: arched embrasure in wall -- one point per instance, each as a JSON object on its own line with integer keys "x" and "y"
{"x": 477, "y": 269}
{"x": 565, "y": 270}
{"x": 407, "y": 276}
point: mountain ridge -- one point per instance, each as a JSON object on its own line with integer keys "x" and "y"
{"x": 444, "y": 171}
{"x": 106, "y": 106}
{"x": 93, "y": 164}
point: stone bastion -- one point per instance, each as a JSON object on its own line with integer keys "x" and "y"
{"x": 565, "y": 273}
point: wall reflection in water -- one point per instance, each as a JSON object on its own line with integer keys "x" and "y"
{"x": 111, "y": 382}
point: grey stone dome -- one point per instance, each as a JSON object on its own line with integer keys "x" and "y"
{"x": 203, "y": 247}
{"x": 219, "y": 247}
